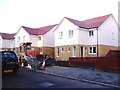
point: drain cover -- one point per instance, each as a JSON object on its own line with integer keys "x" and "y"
{"x": 46, "y": 84}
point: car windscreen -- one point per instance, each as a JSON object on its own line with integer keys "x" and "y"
{"x": 8, "y": 55}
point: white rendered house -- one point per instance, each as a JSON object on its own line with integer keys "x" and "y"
{"x": 41, "y": 38}
{"x": 89, "y": 38}
{"x": 7, "y": 41}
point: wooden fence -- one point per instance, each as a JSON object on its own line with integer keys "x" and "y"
{"x": 105, "y": 63}
{"x": 110, "y": 62}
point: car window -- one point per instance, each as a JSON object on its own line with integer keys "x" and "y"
{"x": 8, "y": 55}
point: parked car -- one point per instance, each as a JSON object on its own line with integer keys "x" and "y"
{"x": 10, "y": 62}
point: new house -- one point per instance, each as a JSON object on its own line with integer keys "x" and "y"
{"x": 41, "y": 38}
{"x": 7, "y": 41}
{"x": 89, "y": 38}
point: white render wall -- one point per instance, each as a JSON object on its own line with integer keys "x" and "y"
{"x": 21, "y": 33}
{"x": 83, "y": 36}
{"x": 108, "y": 33}
{"x": 8, "y": 43}
{"x": 93, "y": 40}
{"x": 35, "y": 40}
{"x": 49, "y": 38}
{"x": 64, "y": 27}
{"x": 40, "y": 42}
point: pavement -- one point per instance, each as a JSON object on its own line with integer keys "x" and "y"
{"x": 86, "y": 75}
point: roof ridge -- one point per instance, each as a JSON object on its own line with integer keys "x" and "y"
{"x": 90, "y": 23}
{"x": 97, "y": 17}
{"x": 40, "y": 30}
{"x": 74, "y": 21}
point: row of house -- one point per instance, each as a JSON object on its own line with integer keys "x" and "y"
{"x": 70, "y": 38}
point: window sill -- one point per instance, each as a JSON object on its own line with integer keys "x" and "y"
{"x": 70, "y": 37}
{"x": 92, "y": 53}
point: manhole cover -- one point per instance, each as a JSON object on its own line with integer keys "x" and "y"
{"x": 46, "y": 84}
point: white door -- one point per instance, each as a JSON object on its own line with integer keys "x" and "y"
{"x": 74, "y": 51}
{"x": 82, "y": 51}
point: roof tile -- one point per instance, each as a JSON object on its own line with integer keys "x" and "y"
{"x": 7, "y": 36}
{"x": 39, "y": 31}
{"x": 90, "y": 23}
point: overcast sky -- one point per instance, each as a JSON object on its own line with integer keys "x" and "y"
{"x": 39, "y": 13}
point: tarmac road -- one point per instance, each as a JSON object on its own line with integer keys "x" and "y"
{"x": 31, "y": 79}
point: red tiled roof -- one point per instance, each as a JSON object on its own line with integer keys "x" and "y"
{"x": 7, "y": 36}
{"x": 39, "y": 31}
{"x": 90, "y": 23}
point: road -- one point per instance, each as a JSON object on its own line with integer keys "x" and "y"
{"x": 31, "y": 79}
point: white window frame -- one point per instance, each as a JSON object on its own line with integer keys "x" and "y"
{"x": 91, "y": 33}
{"x": 24, "y": 38}
{"x": 18, "y": 39}
{"x": 39, "y": 38}
{"x": 60, "y": 34}
{"x": 92, "y": 50}
{"x": 113, "y": 35}
{"x": 70, "y": 33}
{"x": 62, "y": 49}
{"x": 69, "y": 49}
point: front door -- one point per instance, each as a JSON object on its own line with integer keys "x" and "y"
{"x": 82, "y": 51}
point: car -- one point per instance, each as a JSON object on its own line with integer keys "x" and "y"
{"x": 10, "y": 62}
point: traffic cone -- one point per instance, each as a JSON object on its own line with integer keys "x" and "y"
{"x": 22, "y": 65}
{"x": 29, "y": 66}
{"x": 43, "y": 66}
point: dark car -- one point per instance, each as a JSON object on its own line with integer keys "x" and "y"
{"x": 10, "y": 63}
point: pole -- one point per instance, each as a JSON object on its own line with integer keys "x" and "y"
{"x": 97, "y": 43}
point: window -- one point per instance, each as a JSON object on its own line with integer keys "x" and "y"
{"x": 23, "y": 38}
{"x": 58, "y": 52}
{"x": 91, "y": 33}
{"x": 8, "y": 55}
{"x": 62, "y": 49}
{"x": 113, "y": 35}
{"x": 60, "y": 35}
{"x": 70, "y": 33}
{"x": 92, "y": 50}
{"x": 68, "y": 49}
{"x": 18, "y": 39}
{"x": 39, "y": 37}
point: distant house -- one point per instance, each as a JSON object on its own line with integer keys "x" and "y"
{"x": 89, "y": 38}
{"x": 7, "y": 41}
{"x": 41, "y": 38}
